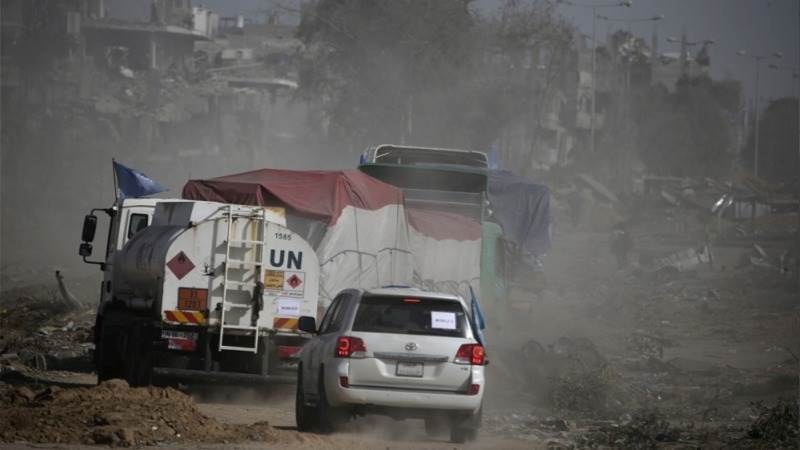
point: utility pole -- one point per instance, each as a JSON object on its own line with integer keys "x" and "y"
{"x": 684, "y": 57}
{"x": 594, "y": 76}
{"x": 758, "y": 122}
{"x": 758, "y": 59}
{"x": 593, "y": 7}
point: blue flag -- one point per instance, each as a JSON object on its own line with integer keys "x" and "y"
{"x": 477, "y": 317}
{"x": 493, "y": 162}
{"x": 132, "y": 183}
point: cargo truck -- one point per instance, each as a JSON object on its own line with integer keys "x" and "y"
{"x": 450, "y": 187}
{"x": 200, "y": 291}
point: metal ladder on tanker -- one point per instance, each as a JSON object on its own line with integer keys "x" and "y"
{"x": 253, "y": 214}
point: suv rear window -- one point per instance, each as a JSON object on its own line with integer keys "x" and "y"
{"x": 406, "y": 315}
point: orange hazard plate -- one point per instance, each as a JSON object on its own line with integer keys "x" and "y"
{"x": 191, "y": 299}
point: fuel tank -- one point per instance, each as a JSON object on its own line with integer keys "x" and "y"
{"x": 206, "y": 257}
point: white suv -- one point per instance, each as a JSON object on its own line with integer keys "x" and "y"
{"x": 400, "y": 352}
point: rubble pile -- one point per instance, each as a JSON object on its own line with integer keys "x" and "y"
{"x": 45, "y": 333}
{"x": 113, "y": 414}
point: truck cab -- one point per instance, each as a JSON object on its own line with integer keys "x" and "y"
{"x": 126, "y": 218}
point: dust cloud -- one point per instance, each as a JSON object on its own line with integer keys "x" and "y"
{"x": 664, "y": 313}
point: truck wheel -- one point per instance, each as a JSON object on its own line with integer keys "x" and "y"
{"x": 466, "y": 429}
{"x": 304, "y": 415}
{"x": 329, "y": 419}
{"x": 108, "y": 361}
{"x": 137, "y": 364}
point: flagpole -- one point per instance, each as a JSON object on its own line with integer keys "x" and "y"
{"x": 114, "y": 171}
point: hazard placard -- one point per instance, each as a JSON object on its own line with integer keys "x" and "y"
{"x": 273, "y": 280}
{"x": 180, "y": 265}
{"x": 294, "y": 284}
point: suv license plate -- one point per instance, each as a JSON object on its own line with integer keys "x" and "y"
{"x": 406, "y": 369}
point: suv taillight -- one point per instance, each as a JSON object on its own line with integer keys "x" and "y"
{"x": 473, "y": 354}
{"x": 350, "y": 347}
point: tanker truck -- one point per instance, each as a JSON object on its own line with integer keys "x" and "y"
{"x": 198, "y": 291}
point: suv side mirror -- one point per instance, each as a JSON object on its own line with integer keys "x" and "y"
{"x": 307, "y": 324}
{"x": 85, "y": 249}
{"x": 89, "y": 228}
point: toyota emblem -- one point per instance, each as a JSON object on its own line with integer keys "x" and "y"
{"x": 411, "y": 347}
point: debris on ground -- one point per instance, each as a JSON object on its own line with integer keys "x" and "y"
{"x": 646, "y": 429}
{"x": 570, "y": 374}
{"x": 775, "y": 426}
{"x": 581, "y": 387}
{"x": 46, "y": 333}
{"x": 113, "y": 413}
{"x": 67, "y": 296}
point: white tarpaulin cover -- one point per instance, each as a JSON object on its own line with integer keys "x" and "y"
{"x": 365, "y": 249}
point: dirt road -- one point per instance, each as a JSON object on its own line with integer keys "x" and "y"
{"x": 363, "y": 433}
{"x": 619, "y": 360}
{"x": 220, "y": 414}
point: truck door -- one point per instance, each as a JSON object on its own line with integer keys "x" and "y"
{"x": 133, "y": 216}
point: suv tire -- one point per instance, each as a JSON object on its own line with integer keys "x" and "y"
{"x": 305, "y": 416}
{"x": 466, "y": 428}
{"x": 329, "y": 419}
{"x": 435, "y": 426}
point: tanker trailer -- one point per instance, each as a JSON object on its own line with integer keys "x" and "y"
{"x": 208, "y": 292}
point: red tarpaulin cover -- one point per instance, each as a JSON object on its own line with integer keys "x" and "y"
{"x": 318, "y": 193}
{"x": 442, "y": 225}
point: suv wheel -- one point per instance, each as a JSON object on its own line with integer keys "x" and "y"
{"x": 328, "y": 417}
{"x": 435, "y": 426}
{"x": 304, "y": 416}
{"x": 466, "y": 428}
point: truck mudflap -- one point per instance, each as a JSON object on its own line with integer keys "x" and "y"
{"x": 204, "y": 377}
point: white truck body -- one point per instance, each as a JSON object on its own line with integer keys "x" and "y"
{"x": 205, "y": 288}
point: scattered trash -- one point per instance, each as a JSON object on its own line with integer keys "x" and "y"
{"x": 125, "y": 72}
{"x": 684, "y": 260}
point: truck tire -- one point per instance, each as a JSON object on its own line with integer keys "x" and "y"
{"x": 136, "y": 349}
{"x": 108, "y": 361}
{"x": 304, "y": 415}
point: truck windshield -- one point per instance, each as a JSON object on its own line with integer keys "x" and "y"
{"x": 406, "y": 315}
